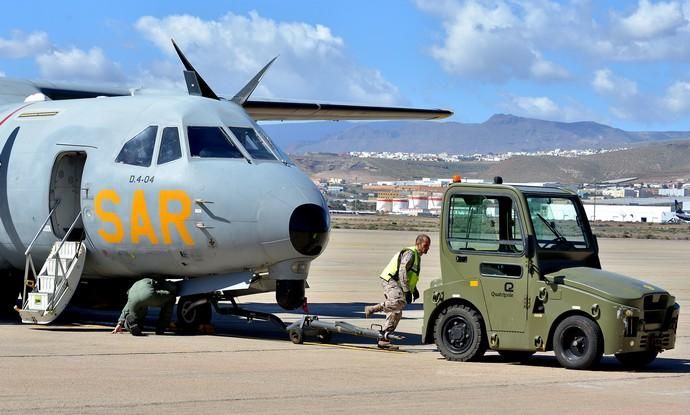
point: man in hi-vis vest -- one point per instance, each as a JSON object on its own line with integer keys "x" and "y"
{"x": 399, "y": 280}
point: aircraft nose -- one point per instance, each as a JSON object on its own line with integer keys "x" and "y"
{"x": 309, "y": 229}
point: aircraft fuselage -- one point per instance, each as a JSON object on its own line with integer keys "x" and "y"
{"x": 148, "y": 207}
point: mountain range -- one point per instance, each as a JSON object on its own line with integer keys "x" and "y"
{"x": 500, "y": 133}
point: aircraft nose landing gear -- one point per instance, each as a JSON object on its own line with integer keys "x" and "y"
{"x": 196, "y": 310}
{"x": 192, "y": 312}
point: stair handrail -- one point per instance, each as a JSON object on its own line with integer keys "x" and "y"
{"x": 45, "y": 222}
{"x": 61, "y": 284}
{"x": 27, "y": 253}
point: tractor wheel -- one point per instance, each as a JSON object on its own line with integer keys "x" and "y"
{"x": 458, "y": 333}
{"x": 578, "y": 342}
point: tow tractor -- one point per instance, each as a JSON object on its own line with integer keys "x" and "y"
{"x": 521, "y": 274}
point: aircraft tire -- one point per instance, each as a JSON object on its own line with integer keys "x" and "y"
{"x": 188, "y": 319}
{"x": 636, "y": 360}
{"x": 459, "y": 333}
{"x": 578, "y": 342}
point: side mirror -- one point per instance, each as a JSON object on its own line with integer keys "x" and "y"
{"x": 531, "y": 247}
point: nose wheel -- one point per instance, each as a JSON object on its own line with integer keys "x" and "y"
{"x": 193, "y": 311}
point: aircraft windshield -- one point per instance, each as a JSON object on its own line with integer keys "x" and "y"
{"x": 276, "y": 150}
{"x": 557, "y": 224}
{"x": 254, "y": 145}
{"x": 206, "y": 142}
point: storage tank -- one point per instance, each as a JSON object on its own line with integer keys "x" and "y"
{"x": 419, "y": 201}
{"x": 400, "y": 204}
{"x": 435, "y": 201}
{"x": 384, "y": 205}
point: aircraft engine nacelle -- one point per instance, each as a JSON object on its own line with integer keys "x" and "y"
{"x": 290, "y": 293}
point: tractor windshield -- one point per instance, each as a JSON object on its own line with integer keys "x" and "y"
{"x": 557, "y": 223}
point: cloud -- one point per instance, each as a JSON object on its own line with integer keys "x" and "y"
{"x": 2, "y": 74}
{"x": 228, "y": 51}
{"x": 21, "y": 45}
{"x": 500, "y": 40}
{"x": 677, "y": 98}
{"x": 547, "y": 108}
{"x": 76, "y": 64}
{"x": 488, "y": 41}
{"x": 548, "y": 70}
{"x": 541, "y": 107}
{"x": 606, "y": 83}
{"x": 653, "y": 20}
{"x": 627, "y": 102}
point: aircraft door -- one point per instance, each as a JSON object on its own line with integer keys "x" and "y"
{"x": 486, "y": 235}
{"x": 64, "y": 194}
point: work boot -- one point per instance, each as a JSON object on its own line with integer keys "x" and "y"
{"x": 133, "y": 326}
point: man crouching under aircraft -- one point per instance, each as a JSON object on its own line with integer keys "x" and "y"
{"x": 147, "y": 293}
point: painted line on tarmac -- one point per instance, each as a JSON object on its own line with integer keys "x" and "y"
{"x": 361, "y": 348}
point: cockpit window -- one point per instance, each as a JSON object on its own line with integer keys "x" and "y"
{"x": 170, "y": 146}
{"x": 139, "y": 150}
{"x": 281, "y": 155}
{"x": 252, "y": 143}
{"x": 211, "y": 142}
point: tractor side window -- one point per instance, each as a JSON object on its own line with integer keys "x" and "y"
{"x": 484, "y": 223}
{"x": 248, "y": 138}
{"x": 139, "y": 150}
{"x": 556, "y": 222}
{"x": 170, "y": 146}
{"x": 207, "y": 142}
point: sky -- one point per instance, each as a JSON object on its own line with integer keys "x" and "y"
{"x": 621, "y": 63}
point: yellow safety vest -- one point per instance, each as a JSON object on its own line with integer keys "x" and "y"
{"x": 391, "y": 270}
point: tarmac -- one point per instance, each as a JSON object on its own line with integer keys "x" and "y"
{"x": 77, "y": 366}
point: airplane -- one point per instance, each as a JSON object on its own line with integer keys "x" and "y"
{"x": 680, "y": 213}
{"x": 102, "y": 186}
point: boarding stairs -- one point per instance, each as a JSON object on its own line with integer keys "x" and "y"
{"x": 47, "y": 293}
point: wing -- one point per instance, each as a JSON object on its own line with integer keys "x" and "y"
{"x": 15, "y": 90}
{"x": 288, "y": 111}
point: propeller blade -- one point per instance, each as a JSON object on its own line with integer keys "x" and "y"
{"x": 206, "y": 90}
{"x": 242, "y": 96}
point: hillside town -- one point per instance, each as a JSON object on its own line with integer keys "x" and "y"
{"x": 446, "y": 157}
{"x": 623, "y": 200}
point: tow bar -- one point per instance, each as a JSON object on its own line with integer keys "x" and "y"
{"x": 311, "y": 326}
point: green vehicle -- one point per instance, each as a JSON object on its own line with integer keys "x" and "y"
{"x": 521, "y": 274}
